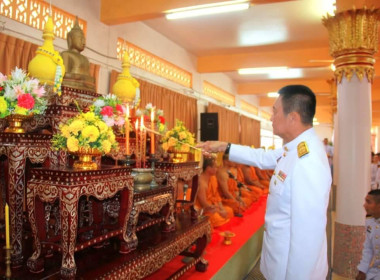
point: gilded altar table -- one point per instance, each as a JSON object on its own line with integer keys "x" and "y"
{"x": 68, "y": 185}
{"x": 18, "y": 148}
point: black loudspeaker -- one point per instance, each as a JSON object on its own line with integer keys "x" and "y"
{"x": 209, "y": 126}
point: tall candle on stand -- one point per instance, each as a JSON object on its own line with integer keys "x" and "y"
{"x": 152, "y": 134}
{"x": 127, "y": 131}
{"x": 137, "y": 143}
{"x": 7, "y": 240}
{"x": 142, "y": 140}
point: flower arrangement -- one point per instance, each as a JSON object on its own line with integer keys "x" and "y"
{"x": 178, "y": 138}
{"x": 110, "y": 109}
{"x": 85, "y": 131}
{"x": 21, "y": 95}
{"x": 158, "y": 116}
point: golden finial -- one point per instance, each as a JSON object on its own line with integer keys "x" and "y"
{"x": 47, "y": 65}
{"x": 126, "y": 86}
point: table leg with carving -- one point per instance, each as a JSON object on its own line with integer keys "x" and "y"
{"x": 35, "y": 263}
{"x": 16, "y": 186}
{"x": 69, "y": 198}
{"x": 170, "y": 220}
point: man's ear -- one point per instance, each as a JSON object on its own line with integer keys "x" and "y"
{"x": 294, "y": 117}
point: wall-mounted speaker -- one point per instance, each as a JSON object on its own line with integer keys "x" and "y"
{"x": 209, "y": 126}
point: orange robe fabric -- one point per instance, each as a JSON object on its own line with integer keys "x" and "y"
{"x": 256, "y": 192}
{"x": 234, "y": 191}
{"x": 213, "y": 197}
{"x": 265, "y": 179}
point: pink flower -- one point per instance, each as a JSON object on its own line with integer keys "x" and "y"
{"x": 39, "y": 91}
{"x": 119, "y": 108}
{"x": 109, "y": 121}
{"x": 18, "y": 90}
{"x": 25, "y": 101}
{"x": 107, "y": 111}
{"x": 119, "y": 121}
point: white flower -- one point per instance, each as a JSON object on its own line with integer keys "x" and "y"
{"x": 18, "y": 75}
{"x": 99, "y": 103}
{"x": 149, "y": 106}
{"x": 110, "y": 96}
{"x": 138, "y": 112}
{"x": 160, "y": 112}
{"x": 10, "y": 93}
{"x": 30, "y": 85}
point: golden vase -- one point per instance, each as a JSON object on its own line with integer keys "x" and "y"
{"x": 15, "y": 123}
{"x": 176, "y": 155}
{"x": 85, "y": 159}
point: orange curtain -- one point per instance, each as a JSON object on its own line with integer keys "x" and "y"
{"x": 174, "y": 104}
{"x": 228, "y": 123}
{"x": 250, "y": 131}
{"x": 17, "y": 52}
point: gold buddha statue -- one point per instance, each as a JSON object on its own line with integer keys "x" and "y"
{"x": 77, "y": 66}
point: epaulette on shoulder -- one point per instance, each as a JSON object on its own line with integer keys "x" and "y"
{"x": 302, "y": 149}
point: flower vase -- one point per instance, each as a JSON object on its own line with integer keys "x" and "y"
{"x": 85, "y": 159}
{"x": 15, "y": 123}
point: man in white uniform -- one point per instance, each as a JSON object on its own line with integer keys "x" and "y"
{"x": 295, "y": 245}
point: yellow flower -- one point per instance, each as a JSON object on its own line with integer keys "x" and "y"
{"x": 65, "y": 131}
{"x": 72, "y": 144}
{"x": 90, "y": 132}
{"x": 76, "y": 126}
{"x": 182, "y": 135}
{"x": 3, "y": 105}
{"x": 20, "y": 110}
{"x": 102, "y": 126}
{"x": 89, "y": 116}
{"x": 165, "y": 146}
{"x": 111, "y": 135}
{"x": 106, "y": 146}
{"x": 185, "y": 148}
{"x": 168, "y": 134}
{"x": 172, "y": 141}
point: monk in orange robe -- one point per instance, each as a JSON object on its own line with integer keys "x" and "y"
{"x": 208, "y": 199}
{"x": 238, "y": 199}
{"x": 263, "y": 177}
{"x": 247, "y": 175}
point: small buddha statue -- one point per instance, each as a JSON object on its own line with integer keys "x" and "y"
{"x": 77, "y": 66}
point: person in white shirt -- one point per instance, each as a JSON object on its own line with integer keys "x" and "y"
{"x": 329, "y": 152}
{"x": 295, "y": 244}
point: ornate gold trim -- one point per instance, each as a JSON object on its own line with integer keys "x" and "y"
{"x": 353, "y": 40}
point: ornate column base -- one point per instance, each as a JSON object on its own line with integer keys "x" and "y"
{"x": 347, "y": 253}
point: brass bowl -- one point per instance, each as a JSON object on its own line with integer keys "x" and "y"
{"x": 227, "y": 237}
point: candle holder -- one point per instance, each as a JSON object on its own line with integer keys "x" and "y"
{"x": 129, "y": 161}
{"x": 8, "y": 271}
{"x": 153, "y": 160}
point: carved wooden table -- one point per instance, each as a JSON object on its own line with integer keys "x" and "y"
{"x": 19, "y": 147}
{"x": 68, "y": 186}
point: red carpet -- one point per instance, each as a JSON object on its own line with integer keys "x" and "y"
{"x": 217, "y": 254}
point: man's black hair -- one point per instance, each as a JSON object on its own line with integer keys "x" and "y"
{"x": 300, "y": 99}
{"x": 375, "y": 194}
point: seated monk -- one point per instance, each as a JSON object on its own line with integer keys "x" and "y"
{"x": 208, "y": 199}
{"x": 232, "y": 196}
{"x": 247, "y": 175}
{"x": 263, "y": 177}
{"x": 77, "y": 66}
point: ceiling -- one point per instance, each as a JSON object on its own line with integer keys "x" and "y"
{"x": 271, "y": 33}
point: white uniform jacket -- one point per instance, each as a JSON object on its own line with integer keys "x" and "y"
{"x": 295, "y": 245}
{"x": 370, "y": 262}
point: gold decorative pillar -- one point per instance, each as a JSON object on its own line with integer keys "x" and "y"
{"x": 353, "y": 43}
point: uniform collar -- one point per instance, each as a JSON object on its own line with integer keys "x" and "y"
{"x": 292, "y": 145}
